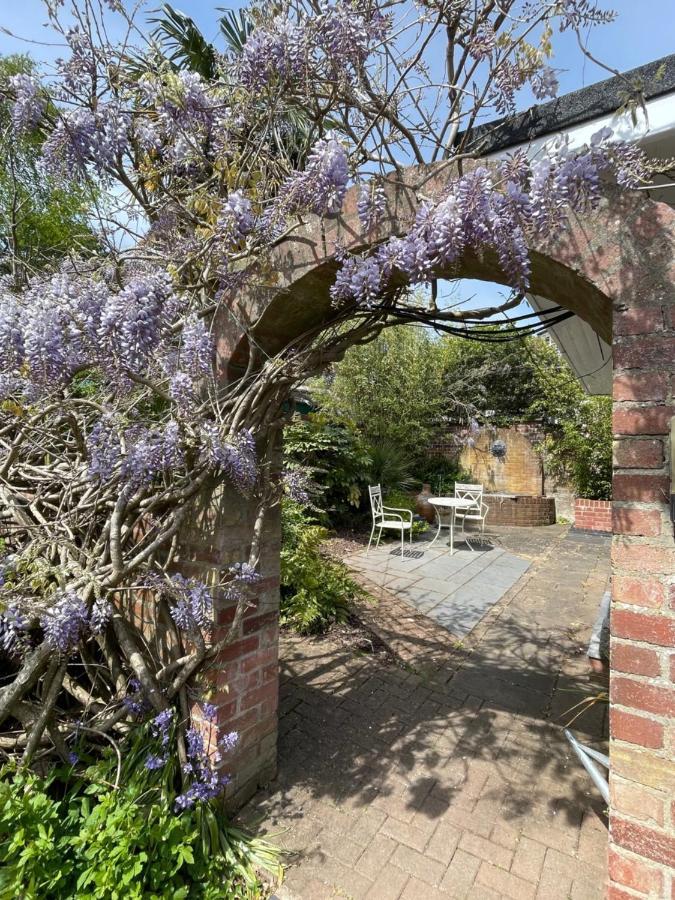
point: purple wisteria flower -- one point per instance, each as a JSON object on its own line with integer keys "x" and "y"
{"x": 193, "y": 603}
{"x": 13, "y": 628}
{"x": 196, "y": 352}
{"x": 29, "y": 104}
{"x": 245, "y": 573}
{"x": 236, "y": 457}
{"x": 321, "y": 187}
{"x": 99, "y": 617}
{"x": 272, "y": 56}
{"x": 236, "y": 219}
{"x": 151, "y": 452}
{"x": 65, "y": 621}
{"x": 371, "y": 204}
{"x": 103, "y": 449}
{"x": 544, "y": 83}
{"x": 346, "y": 35}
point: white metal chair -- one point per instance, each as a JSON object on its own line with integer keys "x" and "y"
{"x": 387, "y": 517}
{"x": 477, "y": 511}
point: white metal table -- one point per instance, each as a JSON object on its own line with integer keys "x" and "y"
{"x": 452, "y": 504}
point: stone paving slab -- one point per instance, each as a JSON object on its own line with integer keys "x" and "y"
{"x": 449, "y": 777}
{"x": 456, "y": 591}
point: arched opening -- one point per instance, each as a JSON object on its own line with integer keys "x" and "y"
{"x": 613, "y": 267}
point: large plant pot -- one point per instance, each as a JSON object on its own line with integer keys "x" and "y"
{"x": 422, "y": 505}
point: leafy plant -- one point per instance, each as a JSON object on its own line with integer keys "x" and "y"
{"x": 315, "y": 591}
{"x": 582, "y": 449}
{"x": 111, "y": 830}
{"x": 337, "y": 458}
{"x": 391, "y": 467}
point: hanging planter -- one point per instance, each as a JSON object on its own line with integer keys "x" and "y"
{"x": 498, "y": 449}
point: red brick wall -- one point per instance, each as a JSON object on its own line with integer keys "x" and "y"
{"x": 243, "y": 680}
{"x": 532, "y": 511}
{"x": 642, "y": 687}
{"x": 593, "y": 515}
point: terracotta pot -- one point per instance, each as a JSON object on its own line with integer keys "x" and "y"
{"x": 422, "y": 505}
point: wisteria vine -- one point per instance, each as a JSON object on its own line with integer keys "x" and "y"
{"x": 132, "y": 381}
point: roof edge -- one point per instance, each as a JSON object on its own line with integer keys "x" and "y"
{"x": 646, "y": 82}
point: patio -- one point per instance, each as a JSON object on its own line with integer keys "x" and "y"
{"x": 449, "y": 776}
{"x": 456, "y": 590}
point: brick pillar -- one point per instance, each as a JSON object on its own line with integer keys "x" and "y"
{"x": 642, "y": 687}
{"x": 243, "y": 681}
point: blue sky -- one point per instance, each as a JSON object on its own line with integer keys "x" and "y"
{"x": 642, "y": 32}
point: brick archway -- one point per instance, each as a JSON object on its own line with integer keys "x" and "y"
{"x": 615, "y": 268}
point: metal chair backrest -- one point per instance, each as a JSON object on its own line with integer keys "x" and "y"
{"x": 375, "y": 492}
{"x": 473, "y": 492}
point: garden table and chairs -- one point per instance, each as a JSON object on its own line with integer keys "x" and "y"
{"x": 466, "y": 505}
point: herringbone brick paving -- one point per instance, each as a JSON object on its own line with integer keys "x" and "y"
{"x": 457, "y": 782}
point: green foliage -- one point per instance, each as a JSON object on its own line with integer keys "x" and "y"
{"x": 519, "y": 379}
{"x": 41, "y": 220}
{"x": 403, "y": 500}
{"x": 89, "y": 834}
{"x": 391, "y": 467}
{"x": 315, "y": 591}
{"x": 392, "y": 389}
{"x": 582, "y": 451}
{"x": 441, "y": 474}
{"x": 336, "y": 457}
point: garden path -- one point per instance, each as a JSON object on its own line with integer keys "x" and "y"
{"x": 449, "y": 776}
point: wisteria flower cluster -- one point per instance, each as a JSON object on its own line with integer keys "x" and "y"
{"x": 68, "y": 618}
{"x": 478, "y": 213}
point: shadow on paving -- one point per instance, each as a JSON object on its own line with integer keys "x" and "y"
{"x": 368, "y": 748}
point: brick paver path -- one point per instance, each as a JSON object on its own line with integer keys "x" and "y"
{"x": 456, "y": 782}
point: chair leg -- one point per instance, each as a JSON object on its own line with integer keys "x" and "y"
{"x": 372, "y": 532}
{"x": 379, "y": 538}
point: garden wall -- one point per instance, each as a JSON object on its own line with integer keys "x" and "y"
{"x": 520, "y": 510}
{"x": 519, "y": 473}
{"x": 593, "y": 515}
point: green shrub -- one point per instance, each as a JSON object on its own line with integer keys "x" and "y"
{"x": 441, "y": 473}
{"x": 99, "y": 833}
{"x": 581, "y": 450}
{"x": 337, "y": 459}
{"x": 315, "y": 591}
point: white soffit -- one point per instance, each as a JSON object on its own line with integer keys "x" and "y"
{"x": 588, "y": 355}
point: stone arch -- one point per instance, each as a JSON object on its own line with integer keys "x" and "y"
{"x": 614, "y": 267}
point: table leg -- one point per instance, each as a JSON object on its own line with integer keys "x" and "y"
{"x": 438, "y": 516}
{"x": 452, "y": 529}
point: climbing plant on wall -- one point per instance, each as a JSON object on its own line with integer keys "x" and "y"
{"x": 119, "y": 406}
